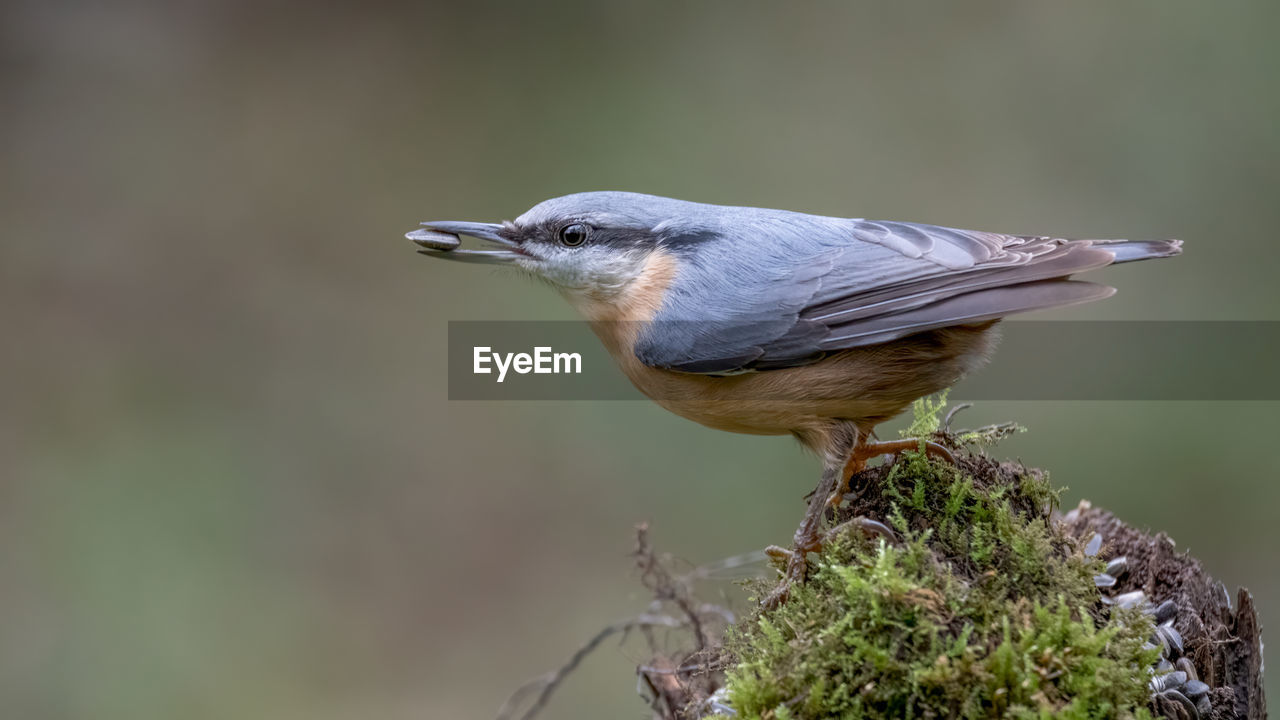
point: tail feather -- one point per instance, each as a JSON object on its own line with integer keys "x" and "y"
{"x": 1130, "y": 250}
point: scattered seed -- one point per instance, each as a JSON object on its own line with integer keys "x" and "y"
{"x": 1095, "y": 544}
{"x": 716, "y": 703}
{"x": 1195, "y": 689}
{"x": 1170, "y": 639}
{"x": 1168, "y": 681}
{"x": 1130, "y": 599}
{"x": 1184, "y": 707}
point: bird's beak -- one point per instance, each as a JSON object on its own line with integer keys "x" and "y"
{"x": 439, "y": 239}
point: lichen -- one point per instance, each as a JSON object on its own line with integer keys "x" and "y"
{"x": 981, "y": 607}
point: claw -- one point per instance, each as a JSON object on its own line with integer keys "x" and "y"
{"x": 777, "y": 552}
{"x": 866, "y": 525}
{"x": 946, "y": 422}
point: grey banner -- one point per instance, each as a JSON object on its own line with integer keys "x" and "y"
{"x": 1035, "y": 360}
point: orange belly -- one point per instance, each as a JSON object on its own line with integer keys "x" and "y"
{"x": 863, "y": 385}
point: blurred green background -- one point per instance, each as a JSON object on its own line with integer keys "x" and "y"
{"x": 232, "y": 483}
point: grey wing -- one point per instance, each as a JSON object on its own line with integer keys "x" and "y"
{"x": 876, "y": 281}
{"x": 980, "y": 276}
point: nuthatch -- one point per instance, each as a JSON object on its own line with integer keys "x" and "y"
{"x": 773, "y": 322}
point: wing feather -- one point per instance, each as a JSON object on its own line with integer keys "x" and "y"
{"x": 965, "y": 309}
{"x": 789, "y": 293}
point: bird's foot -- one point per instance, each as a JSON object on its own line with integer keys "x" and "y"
{"x": 871, "y": 450}
{"x": 797, "y": 567}
{"x": 797, "y": 557}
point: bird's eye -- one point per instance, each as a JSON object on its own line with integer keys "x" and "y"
{"x": 573, "y": 235}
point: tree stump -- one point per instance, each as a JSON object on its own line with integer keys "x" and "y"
{"x": 1205, "y": 636}
{"x": 1223, "y": 640}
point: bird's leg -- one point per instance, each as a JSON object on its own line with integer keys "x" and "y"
{"x": 865, "y": 450}
{"x": 796, "y": 558}
{"x": 808, "y": 538}
{"x": 849, "y": 456}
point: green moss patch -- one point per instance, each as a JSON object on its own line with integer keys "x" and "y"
{"x": 980, "y": 608}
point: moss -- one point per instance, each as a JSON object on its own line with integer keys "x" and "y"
{"x": 926, "y": 415}
{"x": 981, "y": 608}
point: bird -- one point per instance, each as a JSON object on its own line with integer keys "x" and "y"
{"x": 774, "y": 322}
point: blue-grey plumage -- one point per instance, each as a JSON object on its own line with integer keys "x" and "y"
{"x": 757, "y": 288}
{"x": 772, "y": 322}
